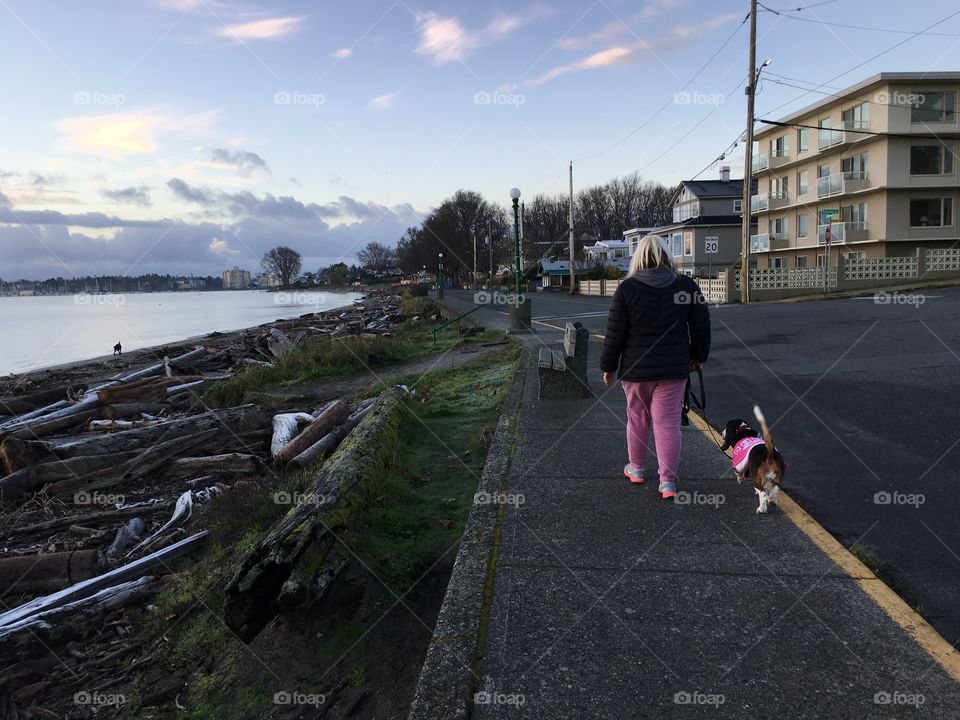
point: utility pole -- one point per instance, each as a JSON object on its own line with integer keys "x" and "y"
{"x": 474, "y": 258}
{"x": 573, "y": 283}
{"x": 748, "y": 160}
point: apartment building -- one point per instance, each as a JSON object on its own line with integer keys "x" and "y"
{"x": 872, "y": 167}
{"x": 236, "y": 279}
{"x": 705, "y": 235}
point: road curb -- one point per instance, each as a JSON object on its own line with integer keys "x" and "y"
{"x": 449, "y": 677}
{"x": 932, "y": 642}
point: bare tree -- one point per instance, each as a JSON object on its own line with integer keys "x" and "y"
{"x": 283, "y": 262}
{"x": 377, "y": 257}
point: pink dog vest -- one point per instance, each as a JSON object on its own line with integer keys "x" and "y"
{"x": 741, "y": 453}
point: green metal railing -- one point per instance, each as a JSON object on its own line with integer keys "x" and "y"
{"x": 454, "y": 320}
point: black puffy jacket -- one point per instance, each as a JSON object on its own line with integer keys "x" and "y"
{"x": 653, "y": 333}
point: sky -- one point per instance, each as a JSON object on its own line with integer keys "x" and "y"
{"x": 189, "y": 136}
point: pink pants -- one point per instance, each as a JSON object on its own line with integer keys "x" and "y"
{"x": 659, "y": 401}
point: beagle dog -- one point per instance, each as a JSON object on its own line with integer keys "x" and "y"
{"x": 755, "y": 457}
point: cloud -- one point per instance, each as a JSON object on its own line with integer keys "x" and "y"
{"x": 139, "y": 196}
{"x": 246, "y": 162}
{"x": 611, "y": 32}
{"x": 627, "y": 53}
{"x": 50, "y": 244}
{"x": 445, "y": 40}
{"x": 382, "y": 102}
{"x": 342, "y": 53}
{"x": 117, "y": 135}
{"x": 268, "y": 29}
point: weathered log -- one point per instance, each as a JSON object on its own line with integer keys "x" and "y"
{"x": 58, "y": 405}
{"x": 50, "y": 572}
{"x": 92, "y": 472}
{"x": 328, "y": 443}
{"x": 229, "y": 421}
{"x": 251, "y": 596}
{"x": 181, "y": 513}
{"x": 193, "y": 387}
{"x": 21, "y": 423}
{"x": 278, "y": 344}
{"x": 36, "y": 634}
{"x": 285, "y": 426}
{"x": 118, "y": 425}
{"x": 147, "y": 390}
{"x": 94, "y": 518}
{"x": 126, "y": 536}
{"x": 16, "y": 454}
{"x": 159, "y": 561}
{"x": 158, "y": 369}
{"x": 226, "y": 463}
{"x": 40, "y": 426}
{"x": 333, "y": 415}
{"x": 17, "y": 404}
{"x": 132, "y": 410}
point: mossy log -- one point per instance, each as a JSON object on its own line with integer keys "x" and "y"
{"x": 252, "y": 595}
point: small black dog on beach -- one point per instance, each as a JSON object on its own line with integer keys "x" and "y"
{"x": 755, "y": 457}
{"x": 117, "y": 350}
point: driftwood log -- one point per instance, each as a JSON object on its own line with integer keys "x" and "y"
{"x": 50, "y": 572}
{"x": 329, "y": 442}
{"x": 334, "y": 414}
{"x": 133, "y": 410}
{"x": 212, "y": 464}
{"x": 16, "y": 454}
{"x": 157, "y": 563}
{"x": 251, "y": 597}
{"x": 36, "y": 634}
{"x": 285, "y": 426}
{"x": 17, "y": 404}
{"x": 93, "y": 518}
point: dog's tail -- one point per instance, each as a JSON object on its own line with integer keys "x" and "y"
{"x": 767, "y": 439}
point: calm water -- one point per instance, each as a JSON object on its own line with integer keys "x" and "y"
{"x": 44, "y": 331}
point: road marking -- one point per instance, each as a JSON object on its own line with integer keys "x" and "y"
{"x": 942, "y": 652}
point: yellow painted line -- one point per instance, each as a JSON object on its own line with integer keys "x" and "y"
{"x": 942, "y": 652}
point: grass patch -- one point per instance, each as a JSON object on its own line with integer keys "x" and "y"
{"x": 329, "y": 358}
{"x": 864, "y": 555}
{"x": 410, "y": 518}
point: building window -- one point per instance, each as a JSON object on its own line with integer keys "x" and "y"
{"x": 854, "y": 166}
{"x": 933, "y": 107}
{"x": 856, "y": 214}
{"x": 823, "y": 171}
{"x": 931, "y": 160}
{"x": 803, "y": 182}
{"x": 677, "y": 245}
{"x": 802, "y": 225}
{"x": 801, "y": 261}
{"x": 857, "y": 117}
{"x": 859, "y": 255}
{"x": 688, "y": 243}
{"x": 778, "y": 226}
{"x": 820, "y": 260}
{"x": 931, "y": 212}
{"x": 776, "y": 262}
{"x": 803, "y": 139}
{"x": 738, "y": 206}
{"x": 779, "y": 147}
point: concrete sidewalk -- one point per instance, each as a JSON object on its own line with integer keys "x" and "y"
{"x": 580, "y": 595}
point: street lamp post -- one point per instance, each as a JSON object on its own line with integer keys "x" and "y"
{"x": 440, "y": 275}
{"x": 520, "y": 306}
{"x": 515, "y": 195}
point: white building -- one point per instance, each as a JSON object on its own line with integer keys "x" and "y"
{"x": 236, "y": 279}
{"x": 604, "y": 250}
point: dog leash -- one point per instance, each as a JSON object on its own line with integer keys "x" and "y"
{"x": 700, "y": 403}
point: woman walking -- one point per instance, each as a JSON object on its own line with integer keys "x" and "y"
{"x": 658, "y": 331}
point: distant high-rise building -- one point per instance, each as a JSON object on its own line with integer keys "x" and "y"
{"x": 236, "y": 279}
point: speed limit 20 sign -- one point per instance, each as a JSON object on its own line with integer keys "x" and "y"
{"x": 711, "y": 245}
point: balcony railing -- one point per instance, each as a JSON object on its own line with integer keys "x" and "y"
{"x": 842, "y": 232}
{"x": 759, "y": 203}
{"x": 831, "y": 137}
{"x": 768, "y": 241}
{"x": 761, "y": 161}
{"x": 841, "y": 183}
{"x": 769, "y": 201}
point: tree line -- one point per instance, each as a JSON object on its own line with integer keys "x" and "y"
{"x": 467, "y": 220}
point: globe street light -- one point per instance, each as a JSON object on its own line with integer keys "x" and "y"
{"x": 440, "y": 275}
{"x": 520, "y": 306}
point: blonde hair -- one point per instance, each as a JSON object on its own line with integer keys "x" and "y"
{"x": 651, "y": 253}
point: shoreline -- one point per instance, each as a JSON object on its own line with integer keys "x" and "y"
{"x": 137, "y": 355}
{"x": 86, "y": 370}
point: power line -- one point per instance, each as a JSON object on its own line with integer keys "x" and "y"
{"x": 671, "y": 101}
{"x": 840, "y": 95}
{"x": 876, "y": 133}
{"x": 868, "y": 60}
{"x": 787, "y": 14}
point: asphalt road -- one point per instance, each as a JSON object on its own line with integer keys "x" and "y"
{"x": 861, "y": 400}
